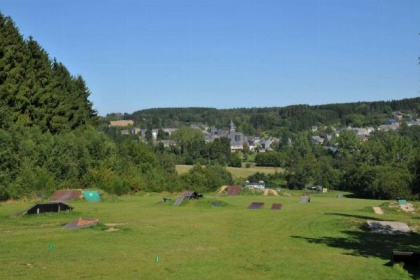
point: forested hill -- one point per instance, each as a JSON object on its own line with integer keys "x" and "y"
{"x": 38, "y": 91}
{"x": 276, "y": 119}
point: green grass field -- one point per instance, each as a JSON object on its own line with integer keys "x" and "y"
{"x": 235, "y": 171}
{"x": 323, "y": 239}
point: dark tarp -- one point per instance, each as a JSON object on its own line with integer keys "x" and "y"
{"x": 276, "y": 206}
{"x": 256, "y": 205}
{"x": 52, "y": 206}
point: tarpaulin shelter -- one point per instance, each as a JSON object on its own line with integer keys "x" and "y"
{"x": 82, "y": 223}
{"x": 234, "y": 190}
{"x": 66, "y": 195}
{"x": 92, "y": 196}
{"x": 256, "y": 205}
{"x": 276, "y": 206}
{"x": 52, "y": 206}
{"x": 187, "y": 195}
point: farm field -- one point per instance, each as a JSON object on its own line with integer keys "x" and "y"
{"x": 236, "y": 171}
{"x": 323, "y": 239}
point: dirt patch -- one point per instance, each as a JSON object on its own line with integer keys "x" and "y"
{"x": 222, "y": 189}
{"x": 407, "y": 207}
{"x": 112, "y": 229}
{"x": 378, "y": 210}
{"x": 270, "y": 192}
{"x": 115, "y": 224}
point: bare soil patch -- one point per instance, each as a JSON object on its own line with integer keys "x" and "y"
{"x": 407, "y": 208}
{"x": 112, "y": 229}
{"x": 378, "y": 210}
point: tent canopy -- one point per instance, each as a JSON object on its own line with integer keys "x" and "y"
{"x": 92, "y": 196}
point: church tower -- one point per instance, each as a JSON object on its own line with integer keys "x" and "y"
{"x": 231, "y": 128}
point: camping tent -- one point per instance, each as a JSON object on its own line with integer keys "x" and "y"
{"x": 92, "y": 196}
{"x": 52, "y": 206}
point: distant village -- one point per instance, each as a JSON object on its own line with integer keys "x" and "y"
{"x": 257, "y": 144}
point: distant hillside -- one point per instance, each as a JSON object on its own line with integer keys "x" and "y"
{"x": 36, "y": 91}
{"x": 276, "y": 120}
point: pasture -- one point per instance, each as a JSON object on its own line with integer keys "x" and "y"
{"x": 236, "y": 171}
{"x": 324, "y": 239}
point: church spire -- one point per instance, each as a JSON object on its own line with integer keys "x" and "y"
{"x": 232, "y": 127}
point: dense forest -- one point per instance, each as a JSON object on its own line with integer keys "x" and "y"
{"x": 52, "y": 138}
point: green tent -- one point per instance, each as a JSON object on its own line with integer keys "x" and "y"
{"x": 92, "y": 196}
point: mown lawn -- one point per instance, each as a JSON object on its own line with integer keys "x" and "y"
{"x": 323, "y": 239}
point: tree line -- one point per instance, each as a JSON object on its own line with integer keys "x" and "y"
{"x": 275, "y": 121}
{"x": 51, "y": 138}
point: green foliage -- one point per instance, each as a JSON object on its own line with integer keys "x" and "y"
{"x": 302, "y": 172}
{"x": 206, "y": 179}
{"x": 33, "y": 162}
{"x": 276, "y": 121}
{"x": 36, "y": 91}
{"x": 271, "y": 180}
{"x": 381, "y": 182}
{"x": 189, "y": 141}
{"x": 219, "y": 151}
{"x": 273, "y": 159}
{"x": 235, "y": 160}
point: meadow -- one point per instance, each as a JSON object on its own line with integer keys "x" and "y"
{"x": 236, "y": 171}
{"x": 324, "y": 239}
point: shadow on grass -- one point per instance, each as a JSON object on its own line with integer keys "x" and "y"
{"x": 355, "y": 216}
{"x": 368, "y": 244}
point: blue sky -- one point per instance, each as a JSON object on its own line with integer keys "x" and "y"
{"x": 229, "y": 53}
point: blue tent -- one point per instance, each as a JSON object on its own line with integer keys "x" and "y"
{"x": 92, "y": 196}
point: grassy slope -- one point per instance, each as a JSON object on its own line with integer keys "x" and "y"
{"x": 322, "y": 239}
{"x": 236, "y": 172}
